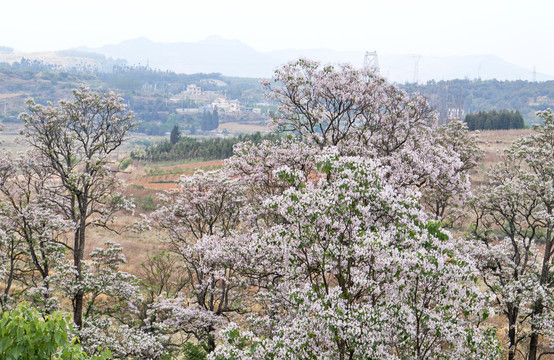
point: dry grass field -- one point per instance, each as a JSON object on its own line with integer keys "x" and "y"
{"x": 136, "y": 246}
{"x": 11, "y": 138}
{"x": 243, "y": 128}
{"x": 493, "y": 143}
{"x": 164, "y": 178}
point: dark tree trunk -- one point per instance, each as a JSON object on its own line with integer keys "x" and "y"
{"x": 210, "y": 341}
{"x": 512, "y": 318}
{"x": 78, "y": 256}
{"x": 539, "y": 305}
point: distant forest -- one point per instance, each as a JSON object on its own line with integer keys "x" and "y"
{"x": 473, "y": 96}
{"x": 495, "y": 120}
{"x": 188, "y": 148}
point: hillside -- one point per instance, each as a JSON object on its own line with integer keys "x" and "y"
{"x": 160, "y": 99}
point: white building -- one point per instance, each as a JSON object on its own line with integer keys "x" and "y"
{"x": 230, "y": 106}
{"x": 192, "y": 89}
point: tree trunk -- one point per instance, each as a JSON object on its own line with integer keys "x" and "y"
{"x": 512, "y": 318}
{"x": 539, "y": 306}
{"x": 210, "y": 341}
{"x": 78, "y": 255}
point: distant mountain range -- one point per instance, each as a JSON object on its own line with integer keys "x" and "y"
{"x": 234, "y": 58}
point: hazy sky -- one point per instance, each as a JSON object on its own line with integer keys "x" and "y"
{"x": 518, "y": 31}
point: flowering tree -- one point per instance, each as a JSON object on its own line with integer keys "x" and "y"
{"x": 537, "y": 152}
{"x": 517, "y": 266}
{"x": 68, "y": 181}
{"x": 361, "y": 274}
{"x": 330, "y": 105}
{"x": 340, "y": 259}
{"x": 449, "y": 189}
{"x": 201, "y": 219}
{"x": 76, "y": 139}
{"x": 360, "y": 113}
{"x": 111, "y": 319}
{"x": 31, "y": 227}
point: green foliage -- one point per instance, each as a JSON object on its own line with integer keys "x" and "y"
{"x": 175, "y": 135}
{"x": 190, "y": 148}
{"x": 146, "y": 203}
{"x": 26, "y": 334}
{"x": 210, "y": 120}
{"x": 125, "y": 163}
{"x": 493, "y": 120}
{"x": 193, "y": 352}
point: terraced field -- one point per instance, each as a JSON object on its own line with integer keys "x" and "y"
{"x": 165, "y": 178}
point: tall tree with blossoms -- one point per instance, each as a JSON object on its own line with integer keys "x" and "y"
{"x": 355, "y": 269}
{"x": 357, "y": 111}
{"x": 508, "y": 228}
{"x": 536, "y": 153}
{"x": 327, "y": 234}
{"x": 332, "y": 105}
{"x": 63, "y": 186}
{"x": 520, "y": 202}
{"x": 360, "y": 273}
{"x": 76, "y": 138}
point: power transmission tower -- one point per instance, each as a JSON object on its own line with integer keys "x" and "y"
{"x": 371, "y": 61}
{"x": 534, "y": 74}
{"x": 416, "y": 59}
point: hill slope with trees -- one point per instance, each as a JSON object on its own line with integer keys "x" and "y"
{"x": 473, "y": 96}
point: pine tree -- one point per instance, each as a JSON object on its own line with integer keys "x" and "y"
{"x": 175, "y": 135}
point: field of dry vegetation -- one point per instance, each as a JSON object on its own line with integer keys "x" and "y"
{"x": 493, "y": 143}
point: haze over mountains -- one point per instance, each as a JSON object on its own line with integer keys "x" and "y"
{"x": 234, "y": 58}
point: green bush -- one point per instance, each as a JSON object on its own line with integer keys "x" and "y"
{"x": 26, "y": 334}
{"x": 194, "y": 352}
{"x": 146, "y": 203}
{"x": 125, "y": 163}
